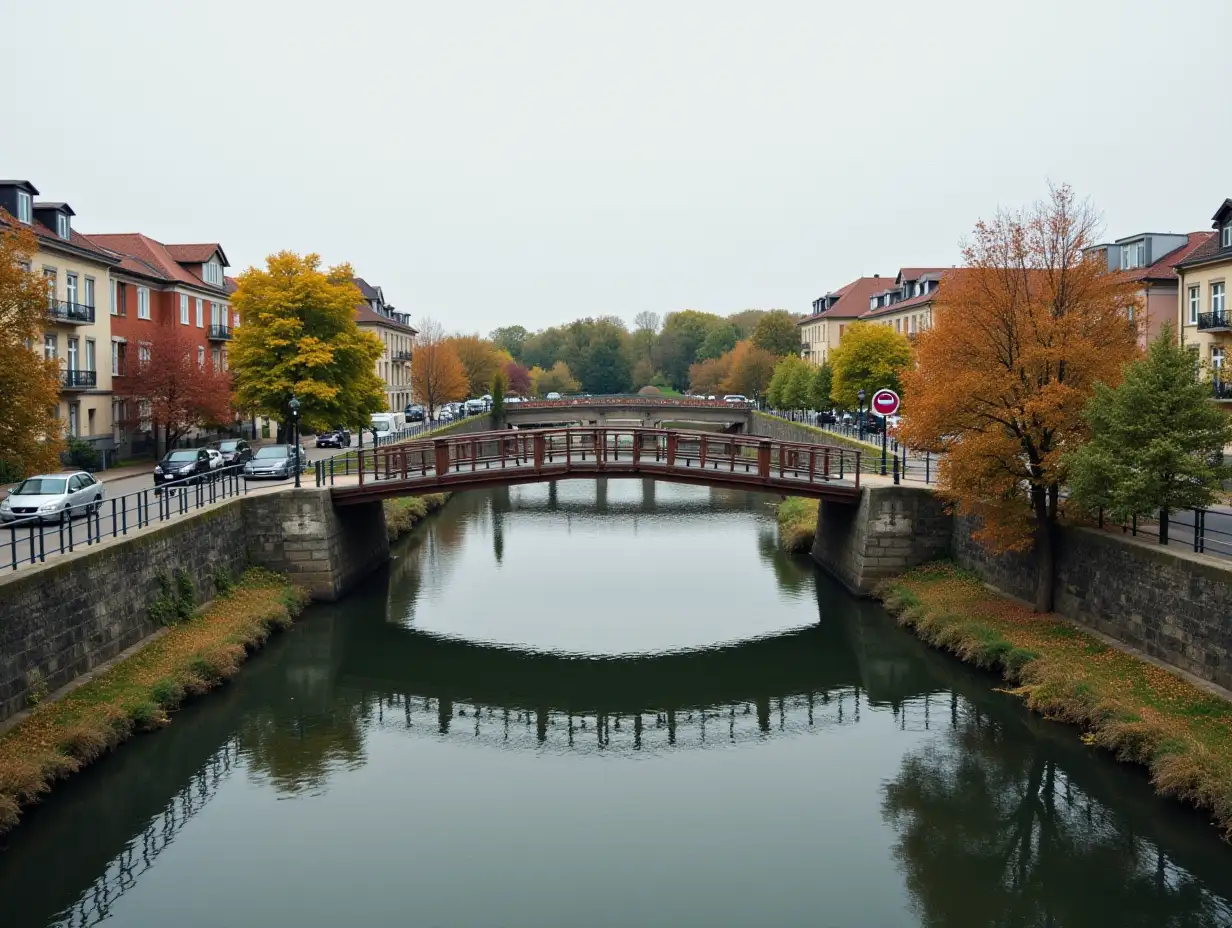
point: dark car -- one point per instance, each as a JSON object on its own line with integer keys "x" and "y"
{"x": 181, "y": 467}
{"x": 826, "y": 418}
{"x": 233, "y": 450}
{"x": 334, "y": 438}
{"x": 414, "y": 413}
{"x": 275, "y": 461}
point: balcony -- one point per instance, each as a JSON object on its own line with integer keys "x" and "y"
{"x": 401, "y": 355}
{"x": 1218, "y": 321}
{"x": 71, "y": 379}
{"x": 219, "y": 333}
{"x": 70, "y": 313}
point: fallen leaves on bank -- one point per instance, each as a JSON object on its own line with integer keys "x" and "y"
{"x": 1137, "y": 710}
{"x": 192, "y": 657}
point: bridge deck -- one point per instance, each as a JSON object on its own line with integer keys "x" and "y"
{"x": 507, "y": 457}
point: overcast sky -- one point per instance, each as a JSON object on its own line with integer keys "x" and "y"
{"x": 493, "y": 163}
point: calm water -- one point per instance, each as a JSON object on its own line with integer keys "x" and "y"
{"x": 608, "y": 704}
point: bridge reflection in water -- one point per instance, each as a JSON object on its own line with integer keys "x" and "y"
{"x": 977, "y": 779}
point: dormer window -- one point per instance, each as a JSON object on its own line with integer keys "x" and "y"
{"x": 62, "y": 228}
{"x": 211, "y": 272}
{"x": 24, "y": 206}
{"x": 1225, "y": 235}
{"x": 1133, "y": 255}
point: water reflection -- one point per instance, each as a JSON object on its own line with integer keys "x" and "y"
{"x": 980, "y": 815}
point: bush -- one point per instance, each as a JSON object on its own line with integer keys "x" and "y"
{"x": 83, "y": 455}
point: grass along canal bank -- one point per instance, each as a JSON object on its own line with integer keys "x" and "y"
{"x": 797, "y": 518}
{"x": 1140, "y": 712}
{"x": 403, "y": 513}
{"x": 198, "y": 652}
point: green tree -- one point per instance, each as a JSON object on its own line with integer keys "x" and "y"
{"x": 299, "y": 338}
{"x": 1157, "y": 440}
{"x": 595, "y": 351}
{"x": 718, "y": 341}
{"x": 791, "y": 384}
{"x": 511, "y": 338}
{"x": 497, "y": 390}
{"x": 745, "y": 321}
{"x": 776, "y": 333}
{"x": 557, "y": 380}
{"x": 819, "y": 397}
{"x": 544, "y": 348}
{"x": 871, "y": 357}
{"x": 682, "y": 335}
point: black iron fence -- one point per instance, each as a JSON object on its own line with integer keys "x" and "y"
{"x": 33, "y": 538}
{"x": 1206, "y": 531}
{"x": 919, "y": 466}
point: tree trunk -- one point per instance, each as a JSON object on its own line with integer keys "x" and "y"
{"x": 1045, "y": 551}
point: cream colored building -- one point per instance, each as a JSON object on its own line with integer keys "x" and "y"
{"x": 1204, "y": 319}
{"x": 396, "y": 333}
{"x": 821, "y": 332}
{"x": 906, "y": 304}
{"x": 78, "y": 329}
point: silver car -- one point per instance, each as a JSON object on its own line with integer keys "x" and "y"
{"x": 52, "y": 498}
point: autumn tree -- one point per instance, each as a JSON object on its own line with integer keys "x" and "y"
{"x": 707, "y": 377}
{"x": 175, "y": 391}
{"x": 437, "y": 374}
{"x": 517, "y": 378}
{"x": 1157, "y": 440}
{"x": 30, "y": 433}
{"x": 871, "y": 357}
{"x": 299, "y": 338}
{"x": 557, "y": 380}
{"x": 480, "y": 359}
{"x": 776, "y": 333}
{"x": 750, "y": 371}
{"x": 1018, "y": 342}
{"x": 682, "y": 335}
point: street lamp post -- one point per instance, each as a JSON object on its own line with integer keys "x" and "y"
{"x": 294, "y": 404}
{"x": 860, "y": 396}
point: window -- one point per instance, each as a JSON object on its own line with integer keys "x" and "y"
{"x": 224, "y": 359}
{"x": 214, "y": 320}
{"x": 89, "y": 294}
{"x": 49, "y": 347}
{"x": 23, "y": 206}
{"x": 49, "y": 278}
{"x": 1217, "y": 298}
{"x": 90, "y": 359}
{"x": 115, "y": 298}
{"x": 1225, "y": 237}
{"x": 183, "y": 309}
{"x": 1133, "y": 255}
{"x": 200, "y": 356}
{"x": 62, "y": 225}
{"x": 115, "y": 359}
{"x": 1194, "y": 293}
{"x": 235, "y": 320}
{"x": 216, "y": 357}
{"x": 70, "y": 286}
{"x": 72, "y": 355}
{"x": 143, "y": 355}
{"x": 1217, "y": 356}
{"x": 211, "y": 273}
{"x": 200, "y": 319}
{"x": 74, "y": 415}
{"x": 143, "y": 302}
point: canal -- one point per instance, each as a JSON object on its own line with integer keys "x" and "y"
{"x": 608, "y": 703}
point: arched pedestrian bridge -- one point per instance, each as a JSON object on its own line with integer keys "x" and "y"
{"x": 498, "y": 458}
{"x": 631, "y": 410}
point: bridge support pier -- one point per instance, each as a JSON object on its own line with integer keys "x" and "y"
{"x": 889, "y": 530}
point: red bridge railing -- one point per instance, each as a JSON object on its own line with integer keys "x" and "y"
{"x": 747, "y": 460}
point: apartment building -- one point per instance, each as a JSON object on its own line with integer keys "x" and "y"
{"x": 156, "y": 284}
{"x": 821, "y": 332}
{"x": 1202, "y": 281}
{"x": 907, "y": 304}
{"x": 1150, "y": 258}
{"x": 78, "y": 329}
{"x": 394, "y": 329}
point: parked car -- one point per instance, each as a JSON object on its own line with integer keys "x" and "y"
{"x": 52, "y": 497}
{"x": 734, "y": 398}
{"x": 276, "y": 461}
{"x": 552, "y": 396}
{"x": 216, "y": 460}
{"x": 476, "y": 407}
{"x": 414, "y": 413}
{"x": 181, "y": 467}
{"x": 233, "y": 450}
{"x": 334, "y": 438}
{"x": 826, "y": 418}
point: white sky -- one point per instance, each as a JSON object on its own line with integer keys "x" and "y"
{"x": 493, "y": 163}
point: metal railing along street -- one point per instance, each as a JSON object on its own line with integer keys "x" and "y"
{"x": 32, "y": 540}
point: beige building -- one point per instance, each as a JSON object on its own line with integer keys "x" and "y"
{"x": 78, "y": 329}
{"x": 396, "y": 333}
{"x": 906, "y": 305}
{"x": 1205, "y": 322}
{"x": 821, "y": 332}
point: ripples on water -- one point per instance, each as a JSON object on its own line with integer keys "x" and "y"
{"x": 609, "y": 703}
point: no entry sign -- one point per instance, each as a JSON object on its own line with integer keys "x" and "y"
{"x": 885, "y": 402}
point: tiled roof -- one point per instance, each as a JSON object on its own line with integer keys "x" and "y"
{"x": 852, "y": 299}
{"x": 1165, "y": 267}
{"x": 152, "y": 253}
{"x": 231, "y": 283}
{"x": 1207, "y": 251}
{"x": 195, "y": 254}
{"x": 910, "y": 303}
{"x": 365, "y": 314}
{"x": 46, "y": 235}
{"x": 915, "y": 273}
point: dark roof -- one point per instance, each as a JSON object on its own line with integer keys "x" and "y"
{"x": 1206, "y": 253}
{"x": 23, "y": 184}
{"x": 366, "y": 315}
{"x": 1221, "y": 214}
{"x": 76, "y": 243}
{"x": 62, "y": 207}
{"x": 915, "y": 273}
{"x": 369, "y": 291}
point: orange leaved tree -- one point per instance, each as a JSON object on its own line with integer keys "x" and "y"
{"x": 1020, "y": 337}
{"x": 437, "y": 374}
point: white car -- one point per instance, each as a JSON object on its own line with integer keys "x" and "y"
{"x": 52, "y": 498}
{"x": 734, "y": 398}
{"x": 552, "y": 396}
{"x": 216, "y": 459}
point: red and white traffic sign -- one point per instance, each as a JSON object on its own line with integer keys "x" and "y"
{"x": 885, "y": 402}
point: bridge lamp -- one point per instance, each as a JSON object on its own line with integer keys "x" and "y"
{"x": 294, "y": 405}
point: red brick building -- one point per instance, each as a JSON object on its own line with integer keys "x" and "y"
{"x": 168, "y": 285}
